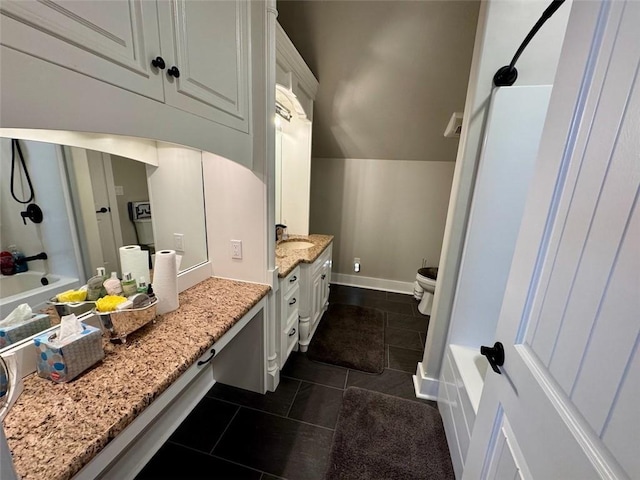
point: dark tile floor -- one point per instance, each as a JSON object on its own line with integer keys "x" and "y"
{"x": 287, "y": 434}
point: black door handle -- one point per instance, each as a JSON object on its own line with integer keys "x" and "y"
{"x": 103, "y": 210}
{"x": 174, "y": 72}
{"x": 495, "y": 355}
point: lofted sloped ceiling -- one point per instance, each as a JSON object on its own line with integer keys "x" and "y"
{"x": 391, "y": 73}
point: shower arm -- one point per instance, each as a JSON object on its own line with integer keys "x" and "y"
{"x": 507, "y": 75}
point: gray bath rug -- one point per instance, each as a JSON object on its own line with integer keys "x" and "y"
{"x": 380, "y": 437}
{"x": 350, "y": 336}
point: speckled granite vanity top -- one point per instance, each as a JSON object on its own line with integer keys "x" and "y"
{"x": 53, "y": 430}
{"x": 286, "y": 261}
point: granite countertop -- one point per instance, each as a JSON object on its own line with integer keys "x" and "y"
{"x": 53, "y": 430}
{"x": 287, "y": 260}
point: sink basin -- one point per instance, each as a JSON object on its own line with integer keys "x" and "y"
{"x": 295, "y": 245}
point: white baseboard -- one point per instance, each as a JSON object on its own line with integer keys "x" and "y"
{"x": 372, "y": 283}
{"x": 426, "y": 387}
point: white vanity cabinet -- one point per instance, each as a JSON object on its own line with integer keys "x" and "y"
{"x": 314, "y": 294}
{"x": 287, "y": 313}
{"x": 199, "y": 50}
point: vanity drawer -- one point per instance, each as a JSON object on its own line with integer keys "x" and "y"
{"x": 291, "y": 302}
{"x": 291, "y": 281}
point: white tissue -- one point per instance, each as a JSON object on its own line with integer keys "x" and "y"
{"x": 19, "y": 314}
{"x": 165, "y": 281}
{"x": 135, "y": 260}
{"x": 69, "y": 326}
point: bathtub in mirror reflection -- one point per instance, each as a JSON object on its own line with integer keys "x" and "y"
{"x": 94, "y": 203}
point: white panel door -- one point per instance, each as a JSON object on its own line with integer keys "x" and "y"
{"x": 566, "y": 403}
{"x": 113, "y": 41}
{"x": 208, "y": 42}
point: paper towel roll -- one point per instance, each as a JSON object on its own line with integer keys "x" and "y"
{"x": 165, "y": 281}
{"x": 135, "y": 260}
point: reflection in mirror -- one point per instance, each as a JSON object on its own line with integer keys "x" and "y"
{"x": 74, "y": 186}
{"x": 111, "y": 206}
{"x": 293, "y": 163}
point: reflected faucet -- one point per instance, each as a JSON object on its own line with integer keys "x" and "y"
{"x": 279, "y": 231}
{"x": 39, "y": 256}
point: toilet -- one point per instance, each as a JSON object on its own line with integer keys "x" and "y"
{"x": 426, "y": 280}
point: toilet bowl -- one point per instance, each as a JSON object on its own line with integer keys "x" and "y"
{"x": 426, "y": 278}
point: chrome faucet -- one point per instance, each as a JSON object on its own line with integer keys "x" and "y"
{"x": 280, "y": 231}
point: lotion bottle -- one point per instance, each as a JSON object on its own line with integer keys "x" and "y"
{"x": 129, "y": 286}
{"x": 112, "y": 285}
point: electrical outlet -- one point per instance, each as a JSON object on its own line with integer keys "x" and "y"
{"x": 236, "y": 249}
{"x": 178, "y": 241}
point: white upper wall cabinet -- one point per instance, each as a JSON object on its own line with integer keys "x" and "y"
{"x": 63, "y": 59}
{"x": 207, "y": 42}
{"x": 111, "y": 41}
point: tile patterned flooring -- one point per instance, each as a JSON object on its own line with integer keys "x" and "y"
{"x": 287, "y": 434}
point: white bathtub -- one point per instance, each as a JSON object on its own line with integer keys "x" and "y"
{"x": 27, "y": 288}
{"x": 460, "y": 389}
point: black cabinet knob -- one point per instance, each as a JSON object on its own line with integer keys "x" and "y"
{"x": 495, "y": 356}
{"x": 158, "y": 62}
{"x": 174, "y": 72}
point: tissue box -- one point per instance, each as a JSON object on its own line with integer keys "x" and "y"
{"x": 63, "y": 361}
{"x": 15, "y": 333}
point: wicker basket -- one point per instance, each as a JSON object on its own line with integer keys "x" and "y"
{"x": 121, "y": 323}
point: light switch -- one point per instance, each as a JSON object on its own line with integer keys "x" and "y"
{"x": 119, "y": 190}
{"x": 178, "y": 241}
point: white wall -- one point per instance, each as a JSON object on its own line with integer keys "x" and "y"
{"x": 389, "y": 213}
{"x": 53, "y": 235}
{"x": 131, "y": 175}
{"x": 235, "y": 200}
{"x": 502, "y": 25}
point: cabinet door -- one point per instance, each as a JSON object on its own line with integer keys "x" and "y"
{"x": 324, "y": 278}
{"x": 208, "y": 43}
{"x": 111, "y": 41}
{"x": 317, "y": 295}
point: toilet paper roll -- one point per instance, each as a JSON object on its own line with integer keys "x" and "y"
{"x": 135, "y": 260}
{"x": 165, "y": 281}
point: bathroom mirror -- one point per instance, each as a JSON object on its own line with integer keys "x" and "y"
{"x": 293, "y": 163}
{"x": 296, "y": 89}
{"x": 93, "y": 203}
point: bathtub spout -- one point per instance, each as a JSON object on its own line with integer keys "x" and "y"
{"x": 39, "y": 256}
